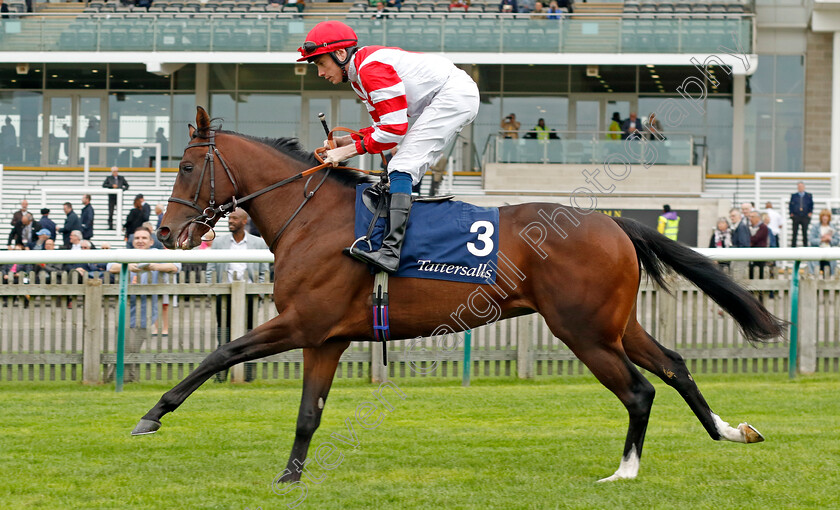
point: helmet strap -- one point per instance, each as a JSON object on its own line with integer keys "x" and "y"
{"x": 343, "y": 63}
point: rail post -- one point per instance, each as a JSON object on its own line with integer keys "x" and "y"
{"x": 238, "y": 311}
{"x": 794, "y": 319}
{"x": 91, "y": 362}
{"x": 465, "y": 380}
{"x": 118, "y": 377}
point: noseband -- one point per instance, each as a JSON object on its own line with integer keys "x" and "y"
{"x": 213, "y": 213}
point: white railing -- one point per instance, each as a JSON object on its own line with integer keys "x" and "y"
{"x": 128, "y": 256}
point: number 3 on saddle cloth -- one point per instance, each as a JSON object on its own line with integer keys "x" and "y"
{"x": 444, "y": 240}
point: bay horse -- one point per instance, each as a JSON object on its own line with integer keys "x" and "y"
{"x": 583, "y": 282}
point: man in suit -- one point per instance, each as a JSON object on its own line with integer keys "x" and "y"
{"x": 253, "y": 272}
{"x": 47, "y": 223}
{"x": 24, "y": 206}
{"x": 70, "y": 224}
{"x": 113, "y": 181}
{"x": 631, "y": 126}
{"x": 87, "y": 218}
{"x": 25, "y": 232}
{"x": 801, "y": 207}
{"x": 740, "y": 229}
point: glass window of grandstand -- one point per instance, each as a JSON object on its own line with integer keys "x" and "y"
{"x": 57, "y": 113}
{"x": 699, "y": 134}
{"x": 774, "y": 115}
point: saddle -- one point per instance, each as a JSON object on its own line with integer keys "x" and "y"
{"x": 377, "y": 200}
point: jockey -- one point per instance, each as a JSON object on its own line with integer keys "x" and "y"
{"x": 394, "y": 84}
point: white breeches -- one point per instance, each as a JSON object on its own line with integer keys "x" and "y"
{"x": 454, "y": 106}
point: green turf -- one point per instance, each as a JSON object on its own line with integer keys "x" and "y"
{"x": 502, "y": 443}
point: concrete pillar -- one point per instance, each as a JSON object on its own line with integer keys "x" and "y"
{"x": 808, "y": 302}
{"x": 202, "y": 85}
{"x": 526, "y": 328}
{"x": 835, "y": 117}
{"x": 739, "y": 94}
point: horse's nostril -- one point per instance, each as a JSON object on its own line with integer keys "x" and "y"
{"x": 163, "y": 233}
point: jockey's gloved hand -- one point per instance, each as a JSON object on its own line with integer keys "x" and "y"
{"x": 339, "y": 154}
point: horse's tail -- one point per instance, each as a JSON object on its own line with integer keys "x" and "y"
{"x": 656, "y": 251}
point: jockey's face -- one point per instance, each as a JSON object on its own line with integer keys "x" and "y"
{"x": 328, "y": 69}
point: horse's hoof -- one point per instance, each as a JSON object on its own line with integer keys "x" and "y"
{"x": 750, "y": 434}
{"x": 145, "y": 427}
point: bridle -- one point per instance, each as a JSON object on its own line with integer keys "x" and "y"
{"x": 212, "y": 213}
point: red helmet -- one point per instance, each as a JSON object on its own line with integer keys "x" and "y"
{"x": 326, "y": 37}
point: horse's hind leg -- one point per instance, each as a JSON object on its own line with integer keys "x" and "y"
{"x": 269, "y": 338}
{"x": 319, "y": 365}
{"x": 606, "y": 360}
{"x": 668, "y": 365}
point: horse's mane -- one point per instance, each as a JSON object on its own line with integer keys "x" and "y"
{"x": 292, "y": 147}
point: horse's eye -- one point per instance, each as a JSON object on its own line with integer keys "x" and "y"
{"x": 186, "y": 167}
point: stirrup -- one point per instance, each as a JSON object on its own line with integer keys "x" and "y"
{"x": 363, "y": 238}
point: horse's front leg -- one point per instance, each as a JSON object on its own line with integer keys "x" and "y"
{"x": 319, "y": 365}
{"x": 273, "y": 337}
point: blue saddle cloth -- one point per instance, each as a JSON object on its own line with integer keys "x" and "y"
{"x": 452, "y": 241}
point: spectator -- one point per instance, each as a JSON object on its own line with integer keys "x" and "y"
{"x": 722, "y": 235}
{"x": 8, "y": 135}
{"x": 823, "y": 235}
{"x": 655, "y": 129}
{"x": 299, "y": 4}
{"x": 87, "y": 218}
{"x": 380, "y": 13}
{"x": 43, "y": 236}
{"x": 133, "y": 221}
{"x": 669, "y": 223}
{"x": 537, "y": 13}
{"x": 75, "y": 241}
{"x": 396, "y": 4}
{"x": 508, "y": 6}
{"x": 801, "y": 207}
{"x": 554, "y": 11}
{"x": 47, "y": 223}
{"x": 24, "y": 206}
{"x": 156, "y": 244}
{"x": 746, "y": 209}
{"x": 71, "y": 223}
{"x": 4, "y": 14}
{"x": 740, "y": 230}
{"x": 525, "y": 6}
{"x": 275, "y": 5}
{"x": 758, "y": 239}
{"x": 253, "y": 272}
{"x": 776, "y": 220}
{"x": 140, "y": 319}
{"x": 541, "y": 132}
{"x": 772, "y": 240}
{"x": 114, "y": 181}
{"x": 458, "y": 4}
{"x": 24, "y": 232}
{"x": 631, "y": 127}
{"x": 147, "y": 209}
{"x": 510, "y": 127}
{"x": 565, "y": 4}
{"x": 44, "y": 270}
{"x": 615, "y": 127}
{"x": 159, "y": 214}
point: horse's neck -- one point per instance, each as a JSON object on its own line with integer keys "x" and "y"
{"x": 330, "y": 209}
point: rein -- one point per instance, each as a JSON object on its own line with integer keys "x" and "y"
{"x": 213, "y": 213}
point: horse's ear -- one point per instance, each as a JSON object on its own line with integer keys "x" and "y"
{"x": 192, "y": 131}
{"x": 202, "y": 120}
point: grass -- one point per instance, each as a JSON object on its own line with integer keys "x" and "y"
{"x": 501, "y": 443}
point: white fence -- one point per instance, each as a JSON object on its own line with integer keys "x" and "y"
{"x": 67, "y": 329}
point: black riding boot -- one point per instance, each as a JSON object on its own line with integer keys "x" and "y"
{"x": 388, "y": 256}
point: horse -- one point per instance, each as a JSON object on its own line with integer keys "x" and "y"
{"x": 582, "y": 277}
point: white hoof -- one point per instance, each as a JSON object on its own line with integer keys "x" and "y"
{"x": 750, "y": 434}
{"x": 627, "y": 469}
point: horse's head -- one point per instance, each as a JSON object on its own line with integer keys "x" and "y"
{"x": 204, "y": 183}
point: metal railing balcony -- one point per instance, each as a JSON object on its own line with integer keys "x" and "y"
{"x": 592, "y": 147}
{"x": 430, "y": 32}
